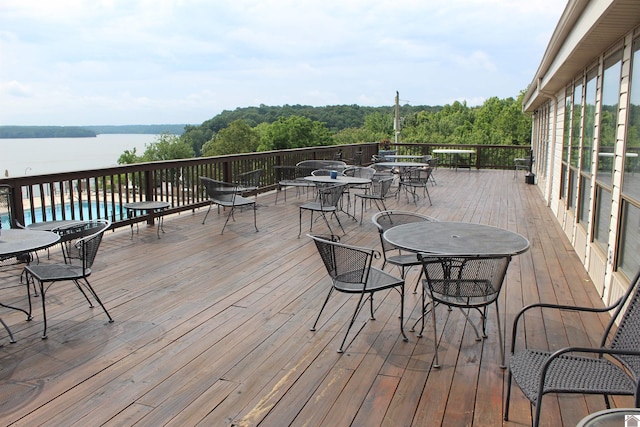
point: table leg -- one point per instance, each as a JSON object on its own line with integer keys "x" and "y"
{"x": 160, "y": 222}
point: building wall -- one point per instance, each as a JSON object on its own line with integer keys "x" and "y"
{"x": 548, "y": 136}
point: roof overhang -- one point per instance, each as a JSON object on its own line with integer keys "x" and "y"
{"x": 585, "y": 30}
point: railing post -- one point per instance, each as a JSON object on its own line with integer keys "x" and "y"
{"x": 149, "y": 182}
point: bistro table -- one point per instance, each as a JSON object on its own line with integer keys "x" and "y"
{"x": 454, "y": 238}
{"x": 340, "y": 179}
{"x": 147, "y": 206}
{"x": 459, "y": 238}
{"x": 53, "y": 225}
{"x": 17, "y": 241}
{"x": 14, "y": 242}
{"x": 455, "y": 152}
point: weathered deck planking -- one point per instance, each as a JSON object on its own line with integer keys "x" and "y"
{"x": 213, "y": 329}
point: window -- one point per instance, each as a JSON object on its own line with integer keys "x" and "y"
{"x": 566, "y": 143}
{"x": 589, "y": 122}
{"x": 631, "y": 177}
{"x": 573, "y": 190}
{"x": 609, "y": 118}
{"x": 603, "y": 218}
{"x": 583, "y": 200}
{"x": 629, "y": 253}
{"x": 576, "y": 122}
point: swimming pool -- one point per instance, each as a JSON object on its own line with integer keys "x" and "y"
{"x": 88, "y": 211}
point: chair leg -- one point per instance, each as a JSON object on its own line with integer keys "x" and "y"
{"x": 227, "y": 220}
{"x": 426, "y": 190}
{"x": 313, "y": 328}
{"x": 436, "y": 363}
{"x": 207, "y": 214}
{"x": 508, "y": 398}
{"x": 44, "y": 310}
{"x": 353, "y": 320}
{"x": 97, "y": 298}
{"x": 255, "y": 224}
{"x": 500, "y": 338}
{"x": 11, "y": 339}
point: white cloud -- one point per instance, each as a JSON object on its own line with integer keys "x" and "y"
{"x": 15, "y": 88}
{"x": 128, "y": 61}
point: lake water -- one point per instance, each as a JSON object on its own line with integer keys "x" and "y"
{"x": 35, "y": 156}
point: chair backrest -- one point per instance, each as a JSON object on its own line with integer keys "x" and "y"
{"x": 347, "y": 265}
{"x": 330, "y": 194}
{"x": 384, "y": 220}
{"x": 219, "y": 191}
{"x": 464, "y": 280}
{"x": 321, "y": 172}
{"x": 380, "y": 186}
{"x": 418, "y": 175}
{"x": 88, "y": 245}
{"x": 285, "y": 173}
{"x": 360, "y": 172}
{"x": 249, "y": 180}
{"x": 627, "y": 334}
{"x": 71, "y": 234}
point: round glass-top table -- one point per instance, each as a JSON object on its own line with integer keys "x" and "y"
{"x": 612, "y": 418}
{"x": 53, "y": 225}
{"x": 150, "y": 206}
{"x": 461, "y": 238}
{"x": 17, "y": 241}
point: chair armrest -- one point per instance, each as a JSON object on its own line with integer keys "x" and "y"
{"x": 524, "y": 309}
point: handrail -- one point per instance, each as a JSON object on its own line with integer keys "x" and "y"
{"x": 101, "y": 193}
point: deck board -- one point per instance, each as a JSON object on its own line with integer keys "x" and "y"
{"x": 213, "y": 329}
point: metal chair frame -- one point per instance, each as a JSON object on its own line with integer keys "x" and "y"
{"x": 351, "y": 272}
{"x": 48, "y": 274}
{"x": 466, "y": 282}
{"x": 612, "y": 368}
{"x": 226, "y": 195}
{"x": 329, "y": 195}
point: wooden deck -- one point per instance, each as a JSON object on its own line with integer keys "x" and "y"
{"x": 213, "y": 329}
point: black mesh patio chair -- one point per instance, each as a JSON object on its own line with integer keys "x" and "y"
{"x": 612, "y": 368}
{"x": 249, "y": 182}
{"x": 378, "y": 192}
{"x": 466, "y": 282}
{"x": 351, "y": 272}
{"x": 329, "y": 195}
{"x": 415, "y": 179}
{"x": 48, "y": 274}
{"x": 386, "y": 219}
{"x": 226, "y": 195}
{"x": 291, "y": 176}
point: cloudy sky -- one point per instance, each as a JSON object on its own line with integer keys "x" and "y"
{"x": 94, "y": 62}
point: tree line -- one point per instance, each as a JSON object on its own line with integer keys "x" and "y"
{"x": 250, "y": 129}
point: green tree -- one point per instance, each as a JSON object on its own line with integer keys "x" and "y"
{"x": 196, "y": 137}
{"x": 355, "y": 136}
{"x": 238, "y": 137}
{"x": 379, "y": 125}
{"x": 167, "y": 147}
{"x": 129, "y": 157}
{"x": 294, "y": 132}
